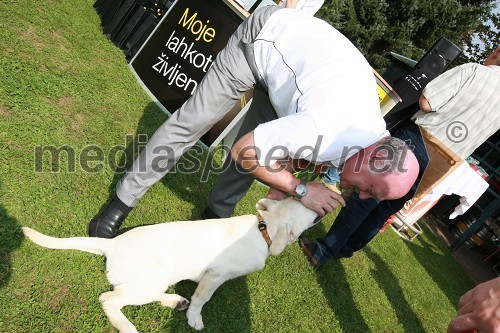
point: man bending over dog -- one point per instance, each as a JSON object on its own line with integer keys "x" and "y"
{"x": 316, "y": 100}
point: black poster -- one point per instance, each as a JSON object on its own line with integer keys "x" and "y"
{"x": 182, "y": 48}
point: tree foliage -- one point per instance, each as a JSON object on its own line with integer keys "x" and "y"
{"x": 411, "y": 27}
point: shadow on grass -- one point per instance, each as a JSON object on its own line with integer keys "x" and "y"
{"x": 443, "y": 269}
{"x": 227, "y": 310}
{"x": 336, "y": 289}
{"x": 10, "y": 239}
{"x": 388, "y": 282}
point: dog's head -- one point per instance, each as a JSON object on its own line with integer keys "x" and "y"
{"x": 286, "y": 219}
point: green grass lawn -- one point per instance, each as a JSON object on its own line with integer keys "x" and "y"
{"x": 62, "y": 83}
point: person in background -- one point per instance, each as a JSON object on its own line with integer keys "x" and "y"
{"x": 301, "y": 92}
{"x": 478, "y": 310}
{"x": 467, "y": 94}
{"x": 409, "y": 87}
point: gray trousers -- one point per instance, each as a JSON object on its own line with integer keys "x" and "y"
{"x": 233, "y": 183}
{"x": 232, "y": 73}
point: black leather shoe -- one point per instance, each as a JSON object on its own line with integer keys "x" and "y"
{"x": 308, "y": 250}
{"x": 109, "y": 219}
{"x": 209, "y": 214}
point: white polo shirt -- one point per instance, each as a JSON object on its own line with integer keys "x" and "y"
{"x": 322, "y": 89}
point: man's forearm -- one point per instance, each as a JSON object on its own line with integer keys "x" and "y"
{"x": 424, "y": 104}
{"x": 277, "y": 178}
{"x": 279, "y": 175}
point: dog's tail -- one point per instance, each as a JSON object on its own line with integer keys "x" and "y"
{"x": 87, "y": 244}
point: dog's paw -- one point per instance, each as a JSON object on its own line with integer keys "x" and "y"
{"x": 174, "y": 301}
{"x": 105, "y": 296}
{"x": 183, "y": 304}
{"x": 195, "y": 320}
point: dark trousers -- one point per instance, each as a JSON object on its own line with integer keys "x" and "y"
{"x": 360, "y": 220}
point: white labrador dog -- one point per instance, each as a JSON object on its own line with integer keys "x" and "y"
{"x": 144, "y": 262}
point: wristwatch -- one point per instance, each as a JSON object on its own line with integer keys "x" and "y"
{"x": 301, "y": 190}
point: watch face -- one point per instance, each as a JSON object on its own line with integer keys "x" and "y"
{"x": 301, "y": 190}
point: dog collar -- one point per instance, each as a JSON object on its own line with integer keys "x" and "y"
{"x": 263, "y": 230}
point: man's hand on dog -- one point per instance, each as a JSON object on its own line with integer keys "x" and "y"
{"x": 321, "y": 199}
{"x": 318, "y": 198}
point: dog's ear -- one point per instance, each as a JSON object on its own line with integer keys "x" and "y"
{"x": 280, "y": 241}
{"x": 265, "y": 205}
{"x": 260, "y": 206}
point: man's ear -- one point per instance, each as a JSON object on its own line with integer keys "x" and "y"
{"x": 379, "y": 158}
{"x": 380, "y": 153}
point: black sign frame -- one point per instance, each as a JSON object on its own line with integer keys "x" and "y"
{"x": 180, "y": 50}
